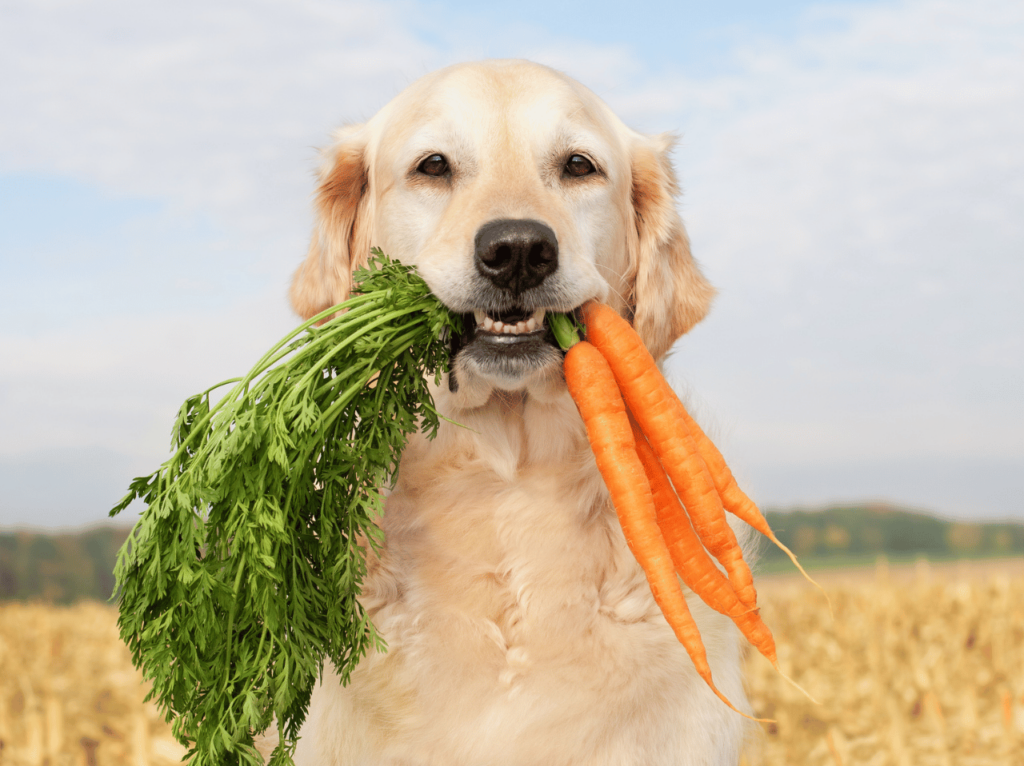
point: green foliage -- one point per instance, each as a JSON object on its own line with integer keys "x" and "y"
{"x": 240, "y": 578}
{"x": 59, "y": 568}
{"x": 869, "y": 530}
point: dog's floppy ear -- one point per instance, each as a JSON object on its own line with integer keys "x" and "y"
{"x": 669, "y": 293}
{"x": 339, "y": 243}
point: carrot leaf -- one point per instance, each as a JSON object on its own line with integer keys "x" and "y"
{"x": 240, "y": 578}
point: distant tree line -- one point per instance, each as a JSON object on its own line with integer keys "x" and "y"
{"x": 60, "y": 568}
{"x": 66, "y": 567}
{"x": 881, "y": 529}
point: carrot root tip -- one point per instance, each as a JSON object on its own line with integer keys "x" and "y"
{"x": 792, "y": 557}
{"x": 795, "y": 685}
{"x": 736, "y": 709}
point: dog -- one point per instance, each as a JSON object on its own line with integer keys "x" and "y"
{"x": 520, "y": 629}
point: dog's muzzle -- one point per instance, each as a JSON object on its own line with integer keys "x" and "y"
{"x": 506, "y": 337}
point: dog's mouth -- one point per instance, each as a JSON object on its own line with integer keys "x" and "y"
{"x": 508, "y": 344}
{"x": 515, "y": 331}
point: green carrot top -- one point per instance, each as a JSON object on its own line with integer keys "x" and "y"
{"x": 241, "y": 576}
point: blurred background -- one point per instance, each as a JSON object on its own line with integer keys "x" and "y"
{"x": 853, "y": 183}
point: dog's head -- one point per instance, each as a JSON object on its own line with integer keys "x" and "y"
{"x": 515, "y": 191}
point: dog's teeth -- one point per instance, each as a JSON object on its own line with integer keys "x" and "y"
{"x": 488, "y": 324}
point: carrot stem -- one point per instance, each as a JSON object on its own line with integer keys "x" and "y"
{"x": 565, "y": 330}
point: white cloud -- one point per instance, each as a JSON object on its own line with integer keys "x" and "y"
{"x": 214, "y": 106}
{"x": 117, "y": 384}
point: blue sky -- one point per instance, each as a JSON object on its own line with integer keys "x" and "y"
{"x": 853, "y": 178}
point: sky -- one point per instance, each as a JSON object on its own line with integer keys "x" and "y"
{"x": 853, "y": 184}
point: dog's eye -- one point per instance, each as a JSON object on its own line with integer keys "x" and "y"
{"x": 578, "y": 166}
{"x": 435, "y": 165}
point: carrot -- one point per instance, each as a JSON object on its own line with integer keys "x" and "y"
{"x": 592, "y": 386}
{"x": 692, "y": 562}
{"x": 658, "y": 412}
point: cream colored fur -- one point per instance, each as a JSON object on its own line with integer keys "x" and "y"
{"x": 520, "y": 629}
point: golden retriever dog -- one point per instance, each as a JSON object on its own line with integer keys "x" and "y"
{"x": 520, "y": 629}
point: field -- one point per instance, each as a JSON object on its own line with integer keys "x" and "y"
{"x": 922, "y": 665}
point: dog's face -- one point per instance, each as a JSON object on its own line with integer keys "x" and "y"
{"x": 515, "y": 191}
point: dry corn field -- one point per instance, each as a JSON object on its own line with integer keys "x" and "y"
{"x": 920, "y": 667}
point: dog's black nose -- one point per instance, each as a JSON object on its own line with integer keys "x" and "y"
{"x": 516, "y": 254}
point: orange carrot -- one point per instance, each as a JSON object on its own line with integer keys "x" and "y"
{"x": 692, "y": 562}
{"x": 592, "y": 386}
{"x": 658, "y": 412}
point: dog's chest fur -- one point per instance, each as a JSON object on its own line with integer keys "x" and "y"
{"x": 520, "y": 629}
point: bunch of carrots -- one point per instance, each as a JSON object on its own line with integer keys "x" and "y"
{"x": 668, "y": 482}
